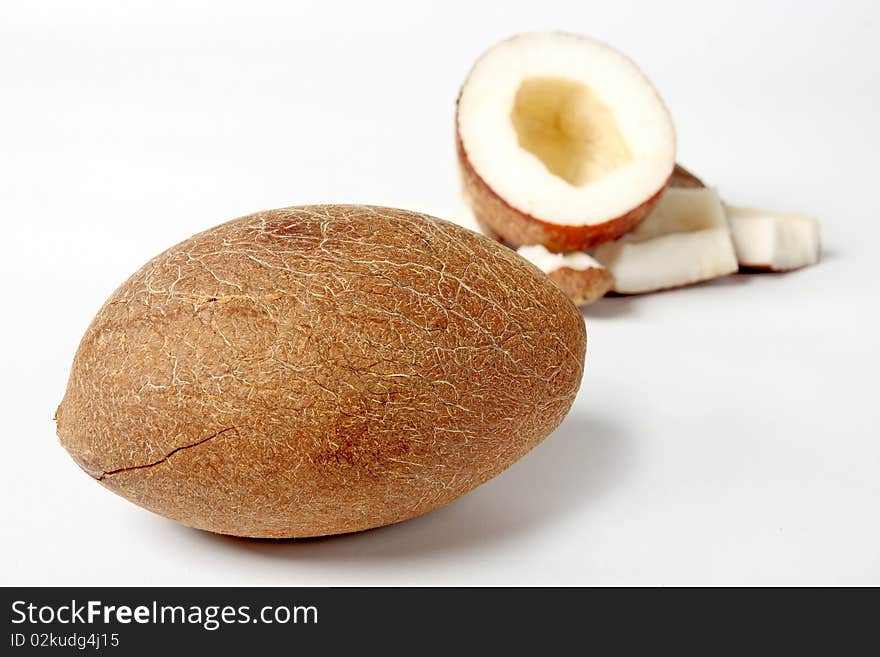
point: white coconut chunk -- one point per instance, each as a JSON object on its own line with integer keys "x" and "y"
{"x": 773, "y": 240}
{"x": 548, "y": 262}
{"x": 685, "y": 239}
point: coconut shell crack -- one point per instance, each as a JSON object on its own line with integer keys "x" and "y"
{"x": 164, "y": 459}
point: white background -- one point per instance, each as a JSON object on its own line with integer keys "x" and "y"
{"x": 726, "y": 433}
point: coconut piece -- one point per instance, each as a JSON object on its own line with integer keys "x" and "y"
{"x": 683, "y": 178}
{"x": 684, "y": 240}
{"x": 773, "y": 241}
{"x": 562, "y": 141}
{"x": 580, "y": 276}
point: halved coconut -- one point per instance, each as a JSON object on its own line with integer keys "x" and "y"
{"x": 580, "y": 276}
{"x": 773, "y": 241}
{"x": 684, "y": 240}
{"x": 562, "y": 141}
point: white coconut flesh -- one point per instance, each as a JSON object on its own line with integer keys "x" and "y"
{"x": 549, "y": 262}
{"x": 684, "y": 240}
{"x": 774, "y": 240}
{"x": 566, "y": 129}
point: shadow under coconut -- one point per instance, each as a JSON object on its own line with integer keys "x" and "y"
{"x": 610, "y": 307}
{"x": 575, "y": 466}
{"x": 615, "y": 305}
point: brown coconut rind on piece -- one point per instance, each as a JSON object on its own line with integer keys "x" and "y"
{"x": 320, "y": 370}
{"x": 520, "y": 229}
{"x": 683, "y": 178}
{"x": 583, "y": 286}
